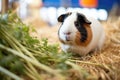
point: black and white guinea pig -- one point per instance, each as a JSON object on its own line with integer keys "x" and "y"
{"x": 80, "y": 34}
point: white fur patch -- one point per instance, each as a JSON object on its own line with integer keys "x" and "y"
{"x": 68, "y": 26}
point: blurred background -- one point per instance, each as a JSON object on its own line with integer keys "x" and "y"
{"x": 45, "y": 12}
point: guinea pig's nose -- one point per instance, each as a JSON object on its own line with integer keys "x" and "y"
{"x": 67, "y": 33}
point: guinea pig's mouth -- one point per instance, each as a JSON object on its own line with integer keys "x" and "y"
{"x": 67, "y": 38}
{"x": 68, "y": 41}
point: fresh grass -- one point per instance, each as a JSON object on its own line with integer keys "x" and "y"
{"x": 24, "y": 55}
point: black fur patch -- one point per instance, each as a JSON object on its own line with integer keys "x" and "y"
{"x": 79, "y": 23}
{"x": 62, "y": 17}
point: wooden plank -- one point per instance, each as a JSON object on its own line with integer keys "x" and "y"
{"x": 5, "y": 6}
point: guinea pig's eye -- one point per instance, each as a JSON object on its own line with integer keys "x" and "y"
{"x": 76, "y": 23}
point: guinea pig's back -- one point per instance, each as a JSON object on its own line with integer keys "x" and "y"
{"x": 98, "y": 34}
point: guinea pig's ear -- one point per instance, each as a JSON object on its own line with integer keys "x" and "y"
{"x": 62, "y": 17}
{"x": 83, "y": 19}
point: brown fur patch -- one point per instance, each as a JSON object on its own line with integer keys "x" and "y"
{"x": 89, "y": 37}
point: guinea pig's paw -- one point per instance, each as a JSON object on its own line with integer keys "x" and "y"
{"x": 65, "y": 48}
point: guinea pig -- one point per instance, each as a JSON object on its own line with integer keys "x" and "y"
{"x": 80, "y": 34}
